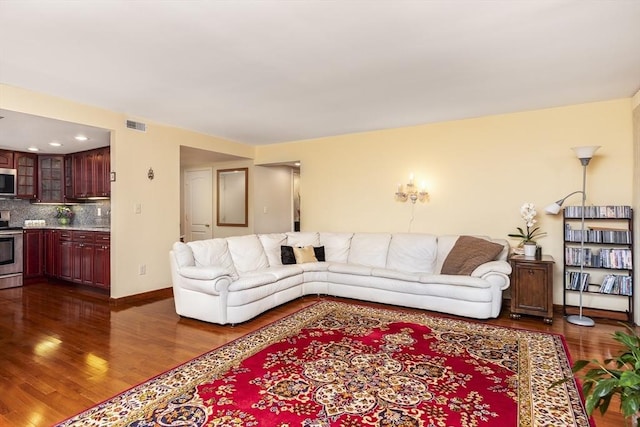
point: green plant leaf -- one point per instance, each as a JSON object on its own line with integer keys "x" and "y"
{"x": 630, "y": 405}
{"x": 629, "y": 379}
{"x": 605, "y": 386}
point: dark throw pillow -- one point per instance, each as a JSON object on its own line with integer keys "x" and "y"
{"x": 468, "y": 253}
{"x": 286, "y": 255}
{"x": 319, "y": 251}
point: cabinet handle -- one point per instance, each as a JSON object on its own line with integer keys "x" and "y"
{"x": 531, "y": 272}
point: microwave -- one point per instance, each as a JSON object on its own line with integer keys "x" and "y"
{"x": 7, "y": 182}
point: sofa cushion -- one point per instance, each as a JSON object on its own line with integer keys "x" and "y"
{"x": 304, "y": 254}
{"x": 213, "y": 252}
{"x": 271, "y": 244}
{"x": 247, "y": 253}
{"x": 284, "y": 271}
{"x": 183, "y": 254}
{"x": 356, "y": 270}
{"x": 300, "y": 239}
{"x": 468, "y": 253}
{"x": 369, "y": 249}
{"x": 395, "y": 274}
{"x": 412, "y": 252}
{"x": 336, "y": 246}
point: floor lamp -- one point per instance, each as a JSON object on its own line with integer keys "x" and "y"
{"x": 584, "y": 154}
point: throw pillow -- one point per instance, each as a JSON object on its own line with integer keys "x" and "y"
{"x": 468, "y": 253}
{"x": 286, "y": 255}
{"x": 305, "y": 254}
{"x": 319, "y": 252}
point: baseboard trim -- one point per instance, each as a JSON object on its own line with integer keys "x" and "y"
{"x": 145, "y": 297}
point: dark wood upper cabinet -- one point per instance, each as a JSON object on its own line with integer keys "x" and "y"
{"x": 6, "y": 159}
{"x": 90, "y": 172}
{"x": 51, "y": 179}
{"x": 26, "y": 165}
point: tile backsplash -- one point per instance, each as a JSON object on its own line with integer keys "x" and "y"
{"x": 94, "y": 213}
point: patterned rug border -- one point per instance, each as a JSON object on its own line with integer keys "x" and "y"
{"x": 532, "y": 389}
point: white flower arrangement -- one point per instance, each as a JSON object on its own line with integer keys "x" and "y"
{"x": 528, "y": 213}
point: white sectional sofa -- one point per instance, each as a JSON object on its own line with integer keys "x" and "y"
{"x": 231, "y": 280}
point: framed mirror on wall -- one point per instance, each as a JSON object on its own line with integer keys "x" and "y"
{"x": 232, "y": 197}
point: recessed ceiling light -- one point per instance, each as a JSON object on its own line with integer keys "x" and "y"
{"x": 55, "y": 144}
{"x": 33, "y": 149}
{"x": 81, "y": 138}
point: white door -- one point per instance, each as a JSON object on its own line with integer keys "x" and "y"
{"x": 198, "y": 204}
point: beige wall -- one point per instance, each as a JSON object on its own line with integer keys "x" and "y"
{"x": 478, "y": 173}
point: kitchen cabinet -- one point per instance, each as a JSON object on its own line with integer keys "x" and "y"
{"x": 6, "y": 159}
{"x": 51, "y": 179}
{"x": 26, "y": 165}
{"x": 90, "y": 173}
{"x": 65, "y": 250}
{"x": 102, "y": 260}
{"x": 77, "y": 256}
{"x": 33, "y": 254}
{"x": 82, "y": 253}
{"x": 101, "y": 172}
{"x": 51, "y": 253}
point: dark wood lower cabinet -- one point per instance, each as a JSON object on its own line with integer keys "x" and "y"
{"x": 66, "y": 259}
{"x": 76, "y": 256}
{"x": 33, "y": 254}
{"x": 102, "y": 261}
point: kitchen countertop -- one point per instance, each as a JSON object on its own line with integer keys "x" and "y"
{"x": 72, "y": 228}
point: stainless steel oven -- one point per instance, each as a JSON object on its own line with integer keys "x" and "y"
{"x": 10, "y": 258}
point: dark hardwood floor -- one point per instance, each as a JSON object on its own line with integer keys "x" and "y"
{"x": 63, "y": 350}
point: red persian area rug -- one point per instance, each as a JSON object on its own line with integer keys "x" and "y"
{"x": 337, "y": 364}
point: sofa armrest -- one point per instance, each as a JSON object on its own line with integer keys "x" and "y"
{"x": 210, "y": 280}
{"x": 495, "y": 272}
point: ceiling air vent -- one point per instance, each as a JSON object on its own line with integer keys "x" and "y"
{"x": 142, "y": 127}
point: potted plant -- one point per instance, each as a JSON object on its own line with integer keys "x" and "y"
{"x": 64, "y": 214}
{"x": 619, "y": 375}
{"x": 528, "y": 237}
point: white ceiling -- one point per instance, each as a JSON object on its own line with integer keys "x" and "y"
{"x": 271, "y": 71}
{"x": 19, "y": 131}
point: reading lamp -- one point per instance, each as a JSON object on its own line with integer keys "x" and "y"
{"x": 584, "y": 154}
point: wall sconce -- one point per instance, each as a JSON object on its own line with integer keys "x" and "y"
{"x": 150, "y": 174}
{"x": 411, "y": 192}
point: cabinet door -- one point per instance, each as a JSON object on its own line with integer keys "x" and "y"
{"x": 27, "y": 175}
{"x": 101, "y": 173}
{"x": 531, "y": 292}
{"x": 33, "y": 250}
{"x": 51, "y": 253}
{"x": 6, "y": 159}
{"x": 66, "y": 259}
{"x": 51, "y": 182}
{"x": 86, "y": 256}
{"x": 82, "y": 174}
{"x": 102, "y": 265}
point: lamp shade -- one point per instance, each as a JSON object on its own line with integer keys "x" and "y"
{"x": 553, "y": 209}
{"x": 585, "y": 152}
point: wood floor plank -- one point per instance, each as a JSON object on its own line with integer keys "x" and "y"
{"x": 64, "y": 349}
